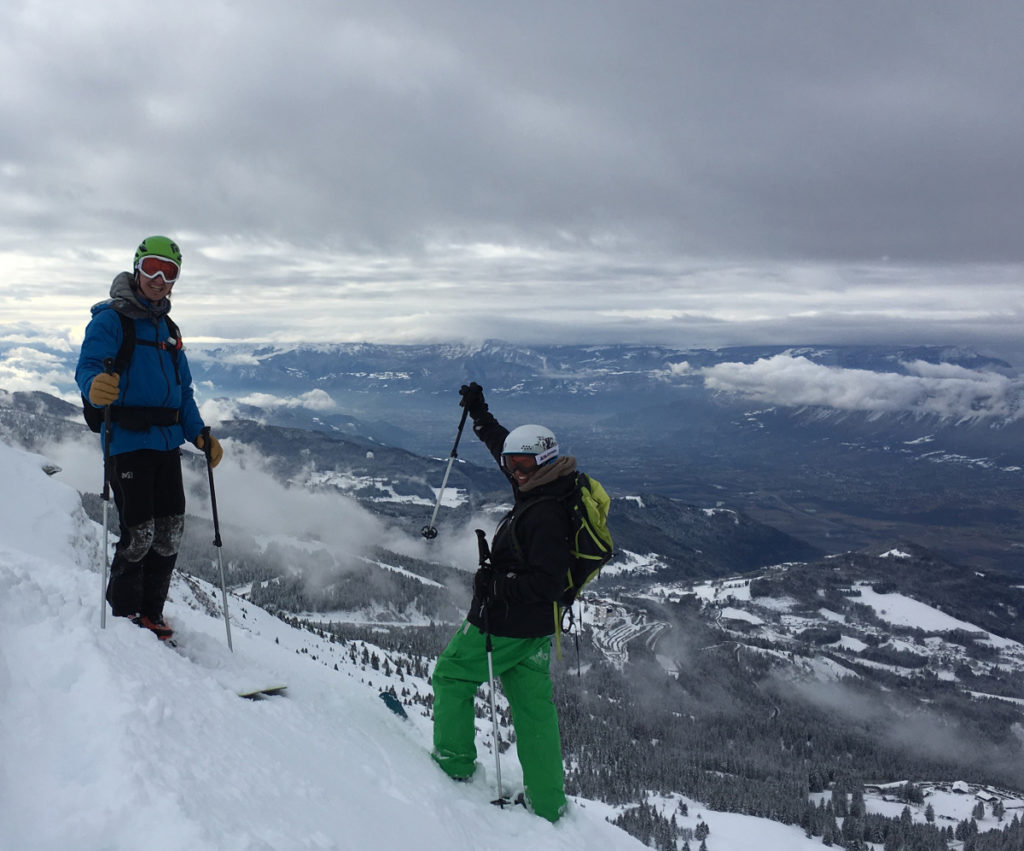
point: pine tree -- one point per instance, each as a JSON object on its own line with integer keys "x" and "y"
{"x": 840, "y": 803}
{"x": 857, "y": 803}
{"x": 998, "y": 809}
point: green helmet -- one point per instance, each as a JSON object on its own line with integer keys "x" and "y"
{"x": 160, "y": 246}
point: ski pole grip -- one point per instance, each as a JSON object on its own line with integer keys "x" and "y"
{"x": 205, "y": 434}
{"x": 482, "y": 548}
{"x": 108, "y": 366}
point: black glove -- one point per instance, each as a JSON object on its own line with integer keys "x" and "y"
{"x": 483, "y": 584}
{"x": 473, "y": 399}
{"x": 490, "y": 585}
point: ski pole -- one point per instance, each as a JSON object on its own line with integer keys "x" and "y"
{"x": 501, "y": 800}
{"x": 430, "y": 530}
{"x": 216, "y": 534}
{"x": 485, "y": 559}
{"x": 108, "y": 367}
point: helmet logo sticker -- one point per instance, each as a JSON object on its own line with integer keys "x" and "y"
{"x": 548, "y": 449}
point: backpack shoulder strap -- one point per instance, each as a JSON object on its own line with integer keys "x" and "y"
{"x": 172, "y": 344}
{"x": 124, "y": 354}
{"x": 518, "y": 512}
{"x": 175, "y": 335}
{"x": 174, "y": 330}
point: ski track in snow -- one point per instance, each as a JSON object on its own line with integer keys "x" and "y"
{"x": 110, "y": 740}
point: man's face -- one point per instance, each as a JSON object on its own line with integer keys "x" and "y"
{"x": 153, "y": 289}
{"x": 521, "y": 467}
{"x": 156, "y": 276}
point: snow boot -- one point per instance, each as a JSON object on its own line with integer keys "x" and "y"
{"x": 158, "y": 626}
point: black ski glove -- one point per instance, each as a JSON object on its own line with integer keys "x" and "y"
{"x": 483, "y": 584}
{"x": 473, "y": 399}
{"x": 490, "y": 585}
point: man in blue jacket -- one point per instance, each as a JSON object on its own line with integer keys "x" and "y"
{"x": 153, "y": 412}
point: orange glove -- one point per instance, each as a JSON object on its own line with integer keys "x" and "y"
{"x": 216, "y": 451}
{"x": 104, "y": 389}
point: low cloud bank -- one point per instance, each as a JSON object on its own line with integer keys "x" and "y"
{"x": 946, "y": 390}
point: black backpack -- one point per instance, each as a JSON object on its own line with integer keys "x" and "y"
{"x": 93, "y": 415}
{"x": 591, "y": 544}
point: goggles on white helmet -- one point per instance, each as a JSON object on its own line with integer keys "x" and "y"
{"x": 535, "y": 440}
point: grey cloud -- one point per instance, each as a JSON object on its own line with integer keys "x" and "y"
{"x": 625, "y": 154}
{"x": 738, "y": 127}
{"x": 29, "y": 369}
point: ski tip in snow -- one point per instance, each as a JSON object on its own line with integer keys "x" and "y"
{"x": 393, "y": 703}
{"x": 260, "y": 693}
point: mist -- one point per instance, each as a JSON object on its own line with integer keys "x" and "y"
{"x": 317, "y": 535}
{"x": 901, "y": 723}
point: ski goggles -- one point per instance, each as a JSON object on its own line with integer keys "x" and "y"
{"x": 520, "y": 463}
{"x": 159, "y": 267}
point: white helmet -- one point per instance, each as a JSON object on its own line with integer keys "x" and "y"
{"x": 532, "y": 440}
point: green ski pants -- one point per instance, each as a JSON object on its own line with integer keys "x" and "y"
{"x": 523, "y": 666}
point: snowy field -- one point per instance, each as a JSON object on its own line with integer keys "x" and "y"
{"x": 901, "y": 610}
{"x": 110, "y": 740}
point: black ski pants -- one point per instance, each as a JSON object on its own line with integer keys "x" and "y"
{"x": 150, "y": 500}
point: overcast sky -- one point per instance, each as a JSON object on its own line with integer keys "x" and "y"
{"x": 688, "y": 173}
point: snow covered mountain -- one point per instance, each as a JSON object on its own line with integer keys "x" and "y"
{"x": 108, "y": 736}
{"x": 110, "y": 739}
{"x": 845, "y": 447}
{"x": 718, "y": 656}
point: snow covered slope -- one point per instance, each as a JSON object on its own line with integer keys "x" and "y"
{"x": 110, "y": 740}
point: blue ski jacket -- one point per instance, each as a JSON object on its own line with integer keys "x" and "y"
{"x": 156, "y": 376}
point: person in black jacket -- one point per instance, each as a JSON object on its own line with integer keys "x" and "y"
{"x": 515, "y": 600}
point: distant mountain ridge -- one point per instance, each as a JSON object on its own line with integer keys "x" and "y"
{"x": 938, "y": 460}
{"x": 359, "y": 364}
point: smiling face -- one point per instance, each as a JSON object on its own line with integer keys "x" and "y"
{"x": 156, "y": 275}
{"x": 153, "y": 288}
{"x": 522, "y": 467}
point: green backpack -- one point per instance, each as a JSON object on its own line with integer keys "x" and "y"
{"x": 591, "y": 544}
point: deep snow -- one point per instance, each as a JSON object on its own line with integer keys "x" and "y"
{"x": 110, "y": 740}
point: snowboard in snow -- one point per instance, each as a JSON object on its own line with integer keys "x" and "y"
{"x": 261, "y": 693}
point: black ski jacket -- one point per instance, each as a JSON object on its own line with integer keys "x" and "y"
{"x": 542, "y": 559}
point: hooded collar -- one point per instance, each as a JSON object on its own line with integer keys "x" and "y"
{"x": 125, "y": 299}
{"x": 557, "y": 469}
